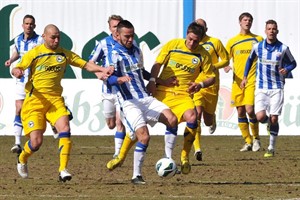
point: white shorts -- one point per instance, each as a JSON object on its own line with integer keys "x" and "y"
{"x": 110, "y": 105}
{"x": 20, "y": 90}
{"x": 270, "y": 100}
{"x": 136, "y": 113}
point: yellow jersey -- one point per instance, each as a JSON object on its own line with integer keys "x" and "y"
{"x": 183, "y": 63}
{"x": 239, "y": 48}
{"x": 47, "y": 68}
{"x": 217, "y": 51}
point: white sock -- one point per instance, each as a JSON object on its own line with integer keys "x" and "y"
{"x": 18, "y": 133}
{"x": 170, "y": 141}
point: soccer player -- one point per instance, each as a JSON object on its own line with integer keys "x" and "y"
{"x": 111, "y": 108}
{"x": 207, "y": 98}
{"x": 239, "y": 48}
{"x": 43, "y": 101}
{"x": 23, "y": 43}
{"x": 138, "y": 108}
{"x": 184, "y": 61}
{"x": 274, "y": 62}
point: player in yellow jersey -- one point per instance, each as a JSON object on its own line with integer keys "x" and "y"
{"x": 239, "y": 48}
{"x": 44, "y": 101}
{"x": 207, "y": 98}
{"x": 184, "y": 60}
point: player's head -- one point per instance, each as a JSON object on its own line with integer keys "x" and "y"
{"x": 202, "y": 22}
{"x": 113, "y": 21}
{"x": 51, "y": 36}
{"x": 194, "y": 35}
{"x": 245, "y": 20}
{"x": 28, "y": 24}
{"x": 125, "y": 33}
{"x": 271, "y": 30}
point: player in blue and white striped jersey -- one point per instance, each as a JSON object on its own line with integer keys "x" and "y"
{"x": 137, "y": 106}
{"x": 110, "y": 104}
{"x": 274, "y": 62}
{"x": 23, "y": 43}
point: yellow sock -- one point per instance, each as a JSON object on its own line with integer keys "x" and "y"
{"x": 26, "y": 153}
{"x": 244, "y": 127}
{"x": 254, "y": 128}
{"x": 65, "y": 145}
{"x": 126, "y": 146}
{"x": 197, "y": 141}
{"x": 189, "y": 137}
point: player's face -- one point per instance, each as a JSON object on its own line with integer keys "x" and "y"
{"x": 113, "y": 27}
{"x": 246, "y": 23}
{"x": 271, "y": 32}
{"x": 28, "y": 26}
{"x": 126, "y": 36}
{"x": 192, "y": 41}
{"x": 51, "y": 38}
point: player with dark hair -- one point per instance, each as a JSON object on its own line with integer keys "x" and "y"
{"x": 23, "y": 43}
{"x": 239, "y": 48}
{"x": 274, "y": 62}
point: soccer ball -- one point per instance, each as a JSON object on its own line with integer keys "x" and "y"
{"x": 166, "y": 167}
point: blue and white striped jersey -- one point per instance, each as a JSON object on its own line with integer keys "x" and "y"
{"x": 22, "y": 46}
{"x": 99, "y": 55}
{"x": 128, "y": 62}
{"x": 271, "y": 58}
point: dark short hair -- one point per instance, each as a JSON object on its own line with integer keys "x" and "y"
{"x": 124, "y": 24}
{"x": 28, "y": 16}
{"x": 271, "y": 21}
{"x": 197, "y": 29}
{"x": 245, "y": 14}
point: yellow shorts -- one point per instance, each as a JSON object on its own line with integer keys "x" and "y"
{"x": 241, "y": 97}
{"x": 178, "y": 103}
{"x": 207, "y": 98}
{"x": 36, "y": 111}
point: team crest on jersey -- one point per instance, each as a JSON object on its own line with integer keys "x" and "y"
{"x": 278, "y": 55}
{"x": 30, "y": 124}
{"x": 59, "y": 58}
{"x": 207, "y": 48}
{"x": 195, "y": 60}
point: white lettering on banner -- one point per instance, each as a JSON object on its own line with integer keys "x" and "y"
{"x": 85, "y": 104}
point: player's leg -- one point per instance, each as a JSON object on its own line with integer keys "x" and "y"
{"x": 168, "y": 118}
{"x": 244, "y": 127}
{"x": 253, "y": 123}
{"x": 59, "y": 115}
{"x": 189, "y": 136}
{"x": 143, "y": 137}
{"x": 18, "y": 127}
{"x": 276, "y": 105}
{"x": 197, "y": 141}
{"x": 119, "y": 135}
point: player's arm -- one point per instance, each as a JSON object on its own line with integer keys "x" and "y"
{"x": 249, "y": 63}
{"x": 92, "y": 67}
{"x": 15, "y": 56}
{"x": 151, "y": 87}
{"x": 223, "y": 55}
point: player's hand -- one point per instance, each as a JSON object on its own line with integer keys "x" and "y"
{"x": 101, "y": 76}
{"x": 243, "y": 83}
{"x": 17, "y": 72}
{"x": 123, "y": 79}
{"x": 283, "y": 71}
{"x": 151, "y": 88}
{"x": 227, "y": 69}
{"x": 170, "y": 82}
{"x": 193, "y": 87}
{"x": 109, "y": 70}
{"x": 7, "y": 63}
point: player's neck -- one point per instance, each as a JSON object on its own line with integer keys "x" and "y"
{"x": 28, "y": 36}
